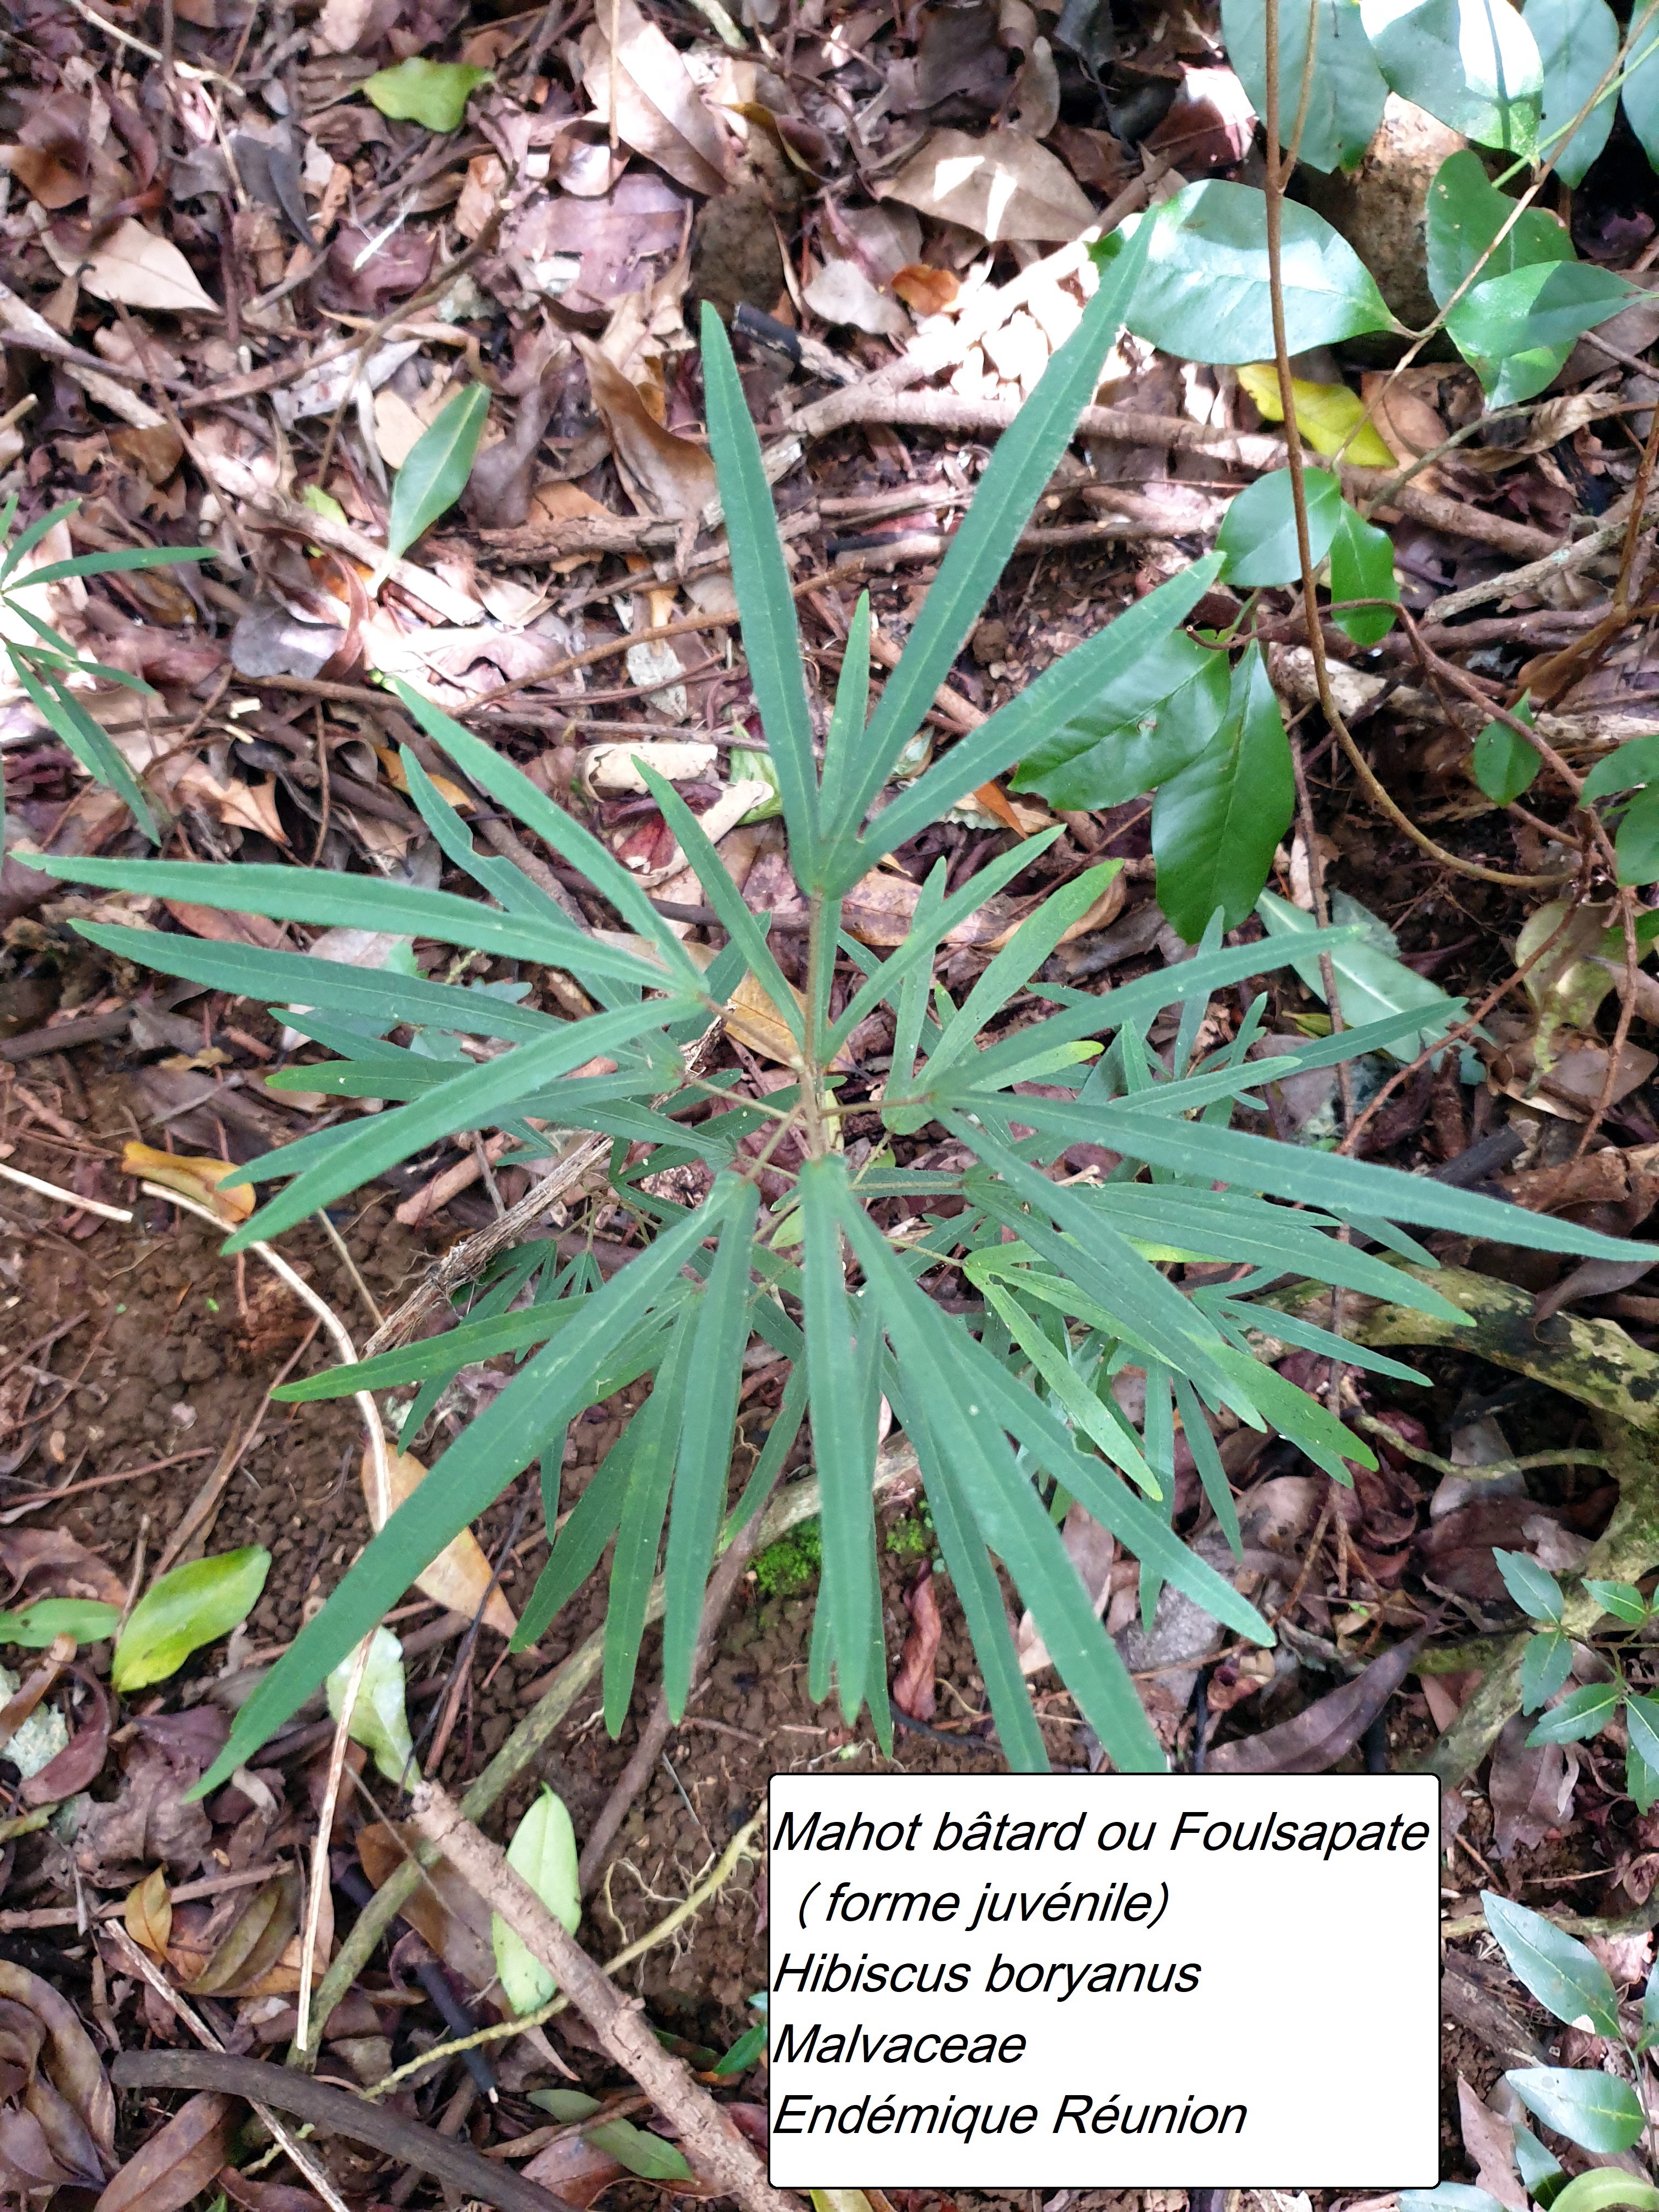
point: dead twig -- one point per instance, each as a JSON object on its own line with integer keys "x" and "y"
{"x": 709, "y": 2136}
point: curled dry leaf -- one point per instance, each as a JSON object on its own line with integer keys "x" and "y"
{"x": 82, "y": 1759}
{"x": 148, "y": 1912}
{"x": 58, "y": 2126}
{"x": 192, "y": 1176}
{"x": 446, "y": 1913}
{"x": 247, "y": 1961}
{"x": 460, "y": 1577}
{"x": 179, "y": 2161}
{"x": 657, "y": 109}
{"x": 1091, "y": 1549}
{"x": 575, "y": 2169}
{"x": 51, "y": 1562}
{"x": 1318, "y": 1737}
{"x": 663, "y": 475}
{"x": 913, "y": 1685}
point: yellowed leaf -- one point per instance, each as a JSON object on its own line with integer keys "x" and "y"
{"x": 192, "y": 1175}
{"x": 1329, "y": 417}
{"x": 133, "y": 266}
{"x": 460, "y": 1577}
{"x": 148, "y": 1912}
{"x": 753, "y": 1020}
{"x": 398, "y": 776}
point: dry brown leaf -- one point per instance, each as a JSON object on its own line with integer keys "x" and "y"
{"x": 444, "y": 1910}
{"x": 913, "y": 1685}
{"x": 927, "y": 290}
{"x": 1003, "y": 185}
{"x": 193, "y": 1176}
{"x": 659, "y": 111}
{"x": 841, "y": 292}
{"x": 1091, "y": 1550}
{"x": 1490, "y": 2143}
{"x": 223, "y": 928}
{"x": 148, "y": 1912}
{"x": 248, "y": 1956}
{"x": 460, "y": 1577}
{"x": 665, "y": 475}
{"x": 179, "y": 2161}
{"x": 133, "y": 266}
{"x": 61, "y": 2128}
{"x": 398, "y": 776}
{"x": 1408, "y": 422}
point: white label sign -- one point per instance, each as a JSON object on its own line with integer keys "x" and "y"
{"x": 1078, "y": 1982}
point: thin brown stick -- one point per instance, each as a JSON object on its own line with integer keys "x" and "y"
{"x": 709, "y": 2136}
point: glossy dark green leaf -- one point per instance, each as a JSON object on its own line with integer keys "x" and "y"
{"x": 434, "y": 474}
{"x": 1577, "y": 47}
{"x": 1344, "y": 100}
{"x": 1504, "y": 764}
{"x": 1640, "y": 94}
{"x": 1627, "y": 768}
{"x": 1516, "y": 330}
{"x": 1598, "y": 2111}
{"x": 1466, "y": 227}
{"x": 1472, "y": 63}
{"x": 1218, "y": 822}
{"x": 1205, "y": 294}
{"x": 1257, "y": 540}
{"x": 1533, "y": 1589}
{"x": 1362, "y": 568}
{"x": 1158, "y": 716}
{"x": 432, "y": 94}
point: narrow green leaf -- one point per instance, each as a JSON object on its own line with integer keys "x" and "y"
{"x": 644, "y": 1509}
{"x": 1063, "y": 690}
{"x": 705, "y": 1432}
{"x": 35, "y": 1627}
{"x": 771, "y": 636}
{"x": 579, "y": 1545}
{"x": 26, "y": 540}
{"x": 1026, "y": 457}
{"x": 1373, "y": 983}
{"x": 1635, "y": 846}
{"x": 434, "y": 474}
{"x": 128, "y": 558}
{"x": 843, "y": 1444}
{"x": 477, "y": 1467}
{"x": 639, "y": 2151}
{"x": 88, "y": 741}
{"x": 846, "y": 722}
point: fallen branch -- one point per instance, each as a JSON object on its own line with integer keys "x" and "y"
{"x": 337, "y": 2112}
{"x": 709, "y": 2136}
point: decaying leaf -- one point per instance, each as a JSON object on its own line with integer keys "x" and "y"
{"x": 148, "y": 1912}
{"x": 179, "y": 2161}
{"x": 58, "y": 2125}
{"x": 656, "y": 107}
{"x": 1329, "y": 417}
{"x": 132, "y": 265}
{"x": 197, "y": 1177}
{"x": 1319, "y": 1736}
{"x": 50, "y": 1562}
{"x": 1002, "y": 185}
{"x": 242, "y": 1963}
{"x": 460, "y": 1577}
{"x": 913, "y": 1685}
{"x": 445, "y": 1912}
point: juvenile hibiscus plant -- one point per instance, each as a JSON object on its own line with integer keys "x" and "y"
{"x": 1010, "y": 1408}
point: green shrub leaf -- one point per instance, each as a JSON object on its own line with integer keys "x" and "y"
{"x": 1577, "y": 46}
{"x": 1504, "y": 764}
{"x": 1533, "y": 1589}
{"x": 542, "y": 1851}
{"x": 1564, "y": 1976}
{"x": 1345, "y": 98}
{"x": 1362, "y": 568}
{"x": 1472, "y": 63}
{"x": 1217, "y": 824}
{"x": 1598, "y": 2111}
{"x": 1516, "y": 330}
{"x": 434, "y": 475}
{"x": 1257, "y": 540}
{"x": 434, "y": 93}
{"x": 193, "y": 1605}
